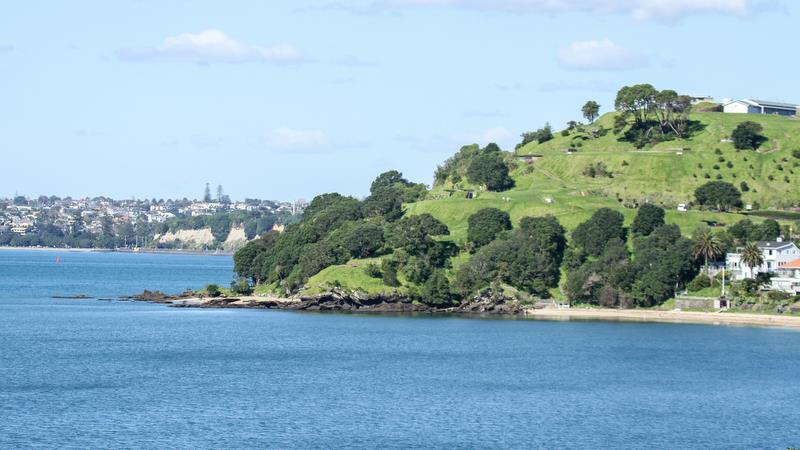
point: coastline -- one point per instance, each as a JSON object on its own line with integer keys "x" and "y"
{"x": 109, "y": 250}
{"x": 673, "y": 316}
{"x": 396, "y": 305}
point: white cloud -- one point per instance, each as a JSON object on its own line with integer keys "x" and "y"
{"x": 599, "y": 55}
{"x": 211, "y": 46}
{"x": 657, "y": 10}
{"x": 288, "y": 139}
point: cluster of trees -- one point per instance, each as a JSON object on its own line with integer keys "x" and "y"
{"x": 336, "y": 228}
{"x": 603, "y": 271}
{"x": 540, "y": 136}
{"x": 488, "y": 166}
{"x": 656, "y": 115}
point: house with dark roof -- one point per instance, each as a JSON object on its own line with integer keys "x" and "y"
{"x": 750, "y": 106}
{"x": 774, "y": 253}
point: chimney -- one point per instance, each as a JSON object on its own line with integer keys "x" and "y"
{"x": 780, "y": 239}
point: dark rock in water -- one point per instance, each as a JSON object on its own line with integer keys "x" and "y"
{"x": 73, "y": 297}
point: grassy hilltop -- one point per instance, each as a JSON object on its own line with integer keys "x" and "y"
{"x": 657, "y": 174}
{"x": 665, "y": 174}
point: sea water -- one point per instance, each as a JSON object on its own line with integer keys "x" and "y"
{"x": 110, "y": 374}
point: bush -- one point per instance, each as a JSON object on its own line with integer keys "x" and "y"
{"x": 373, "y": 270}
{"x": 241, "y": 287}
{"x": 212, "y": 290}
{"x": 389, "y": 269}
{"x": 796, "y": 153}
{"x": 699, "y": 283}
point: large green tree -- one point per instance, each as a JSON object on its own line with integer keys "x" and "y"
{"x": 593, "y": 235}
{"x": 485, "y": 225}
{"x": 747, "y": 135}
{"x": 718, "y": 194}
{"x": 648, "y": 218}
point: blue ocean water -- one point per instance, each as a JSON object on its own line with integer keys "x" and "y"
{"x": 98, "y": 374}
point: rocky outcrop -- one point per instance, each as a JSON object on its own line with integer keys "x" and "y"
{"x": 338, "y": 300}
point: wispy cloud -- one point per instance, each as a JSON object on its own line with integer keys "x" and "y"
{"x": 211, "y": 46}
{"x": 588, "y": 85}
{"x": 601, "y": 54}
{"x": 642, "y": 10}
{"x": 292, "y": 139}
{"x": 6, "y": 48}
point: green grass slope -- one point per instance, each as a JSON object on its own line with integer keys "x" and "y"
{"x": 555, "y": 184}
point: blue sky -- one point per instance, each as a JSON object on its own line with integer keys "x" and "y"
{"x": 287, "y": 100}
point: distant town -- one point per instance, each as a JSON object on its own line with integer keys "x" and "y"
{"x": 103, "y": 222}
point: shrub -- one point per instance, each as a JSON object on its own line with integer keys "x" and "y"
{"x": 212, "y": 290}
{"x": 699, "y": 283}
{"x": 241, "y": 287}
{"x": 796, "y": 153}
{"x": 373, "y": 270}
{"x": 729, "y": 165}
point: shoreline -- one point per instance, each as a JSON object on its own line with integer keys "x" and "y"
{"x": 109, "y": 250}
{"x": 483, "y": 309}
{"x": 673, "y": 316}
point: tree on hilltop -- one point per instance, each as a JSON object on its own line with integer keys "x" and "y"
{"x": 591, "y": 110}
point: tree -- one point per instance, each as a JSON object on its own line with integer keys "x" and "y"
{"x": 490, "y": 169}
{"x": 436, "y": 291}
{"x": 220, "y": 193}
{"x": 719, "y": 194}
{"x": 207, "y": 194}
{"x": 484, "y": 226}
{"x": 593, "y": 235}
{"x": 590, "y": 110}
{"x": 752, "y": 257}
{"x": 707, "y": 246}
{"x": 747, "y": 135}
{"x": 648, "y": 218}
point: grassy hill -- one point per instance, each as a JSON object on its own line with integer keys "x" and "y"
{"x": 666, "y": 174}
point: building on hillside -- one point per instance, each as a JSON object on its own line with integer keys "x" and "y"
{"x": 787, "y": 278}
{"x": 696, "y": 99}
{"x": 749, "y": 106}
{"x": 774, "y": 253}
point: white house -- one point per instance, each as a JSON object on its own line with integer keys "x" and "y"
{"x": 775, "y": 254}
{"x": 750, "y": 106}
{"x": 787, "y": 278}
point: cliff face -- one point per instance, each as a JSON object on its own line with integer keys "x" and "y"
{"x": 203, "y": 238}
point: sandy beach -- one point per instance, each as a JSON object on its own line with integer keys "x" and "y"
{"x": 674, "y": 316}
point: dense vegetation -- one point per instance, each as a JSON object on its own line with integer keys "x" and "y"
{"x": 588, "y": 215}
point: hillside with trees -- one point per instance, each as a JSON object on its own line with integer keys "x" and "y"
{"x": 588, "y": 214}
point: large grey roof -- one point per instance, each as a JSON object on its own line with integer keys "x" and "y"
{"x": 772, "y": 104}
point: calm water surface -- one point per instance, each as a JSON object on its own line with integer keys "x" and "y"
{"x": 89, "y": 373}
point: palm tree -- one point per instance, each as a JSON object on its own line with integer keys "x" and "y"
{"x": 707, "y": 246}
{"x": 752, "y": 257}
